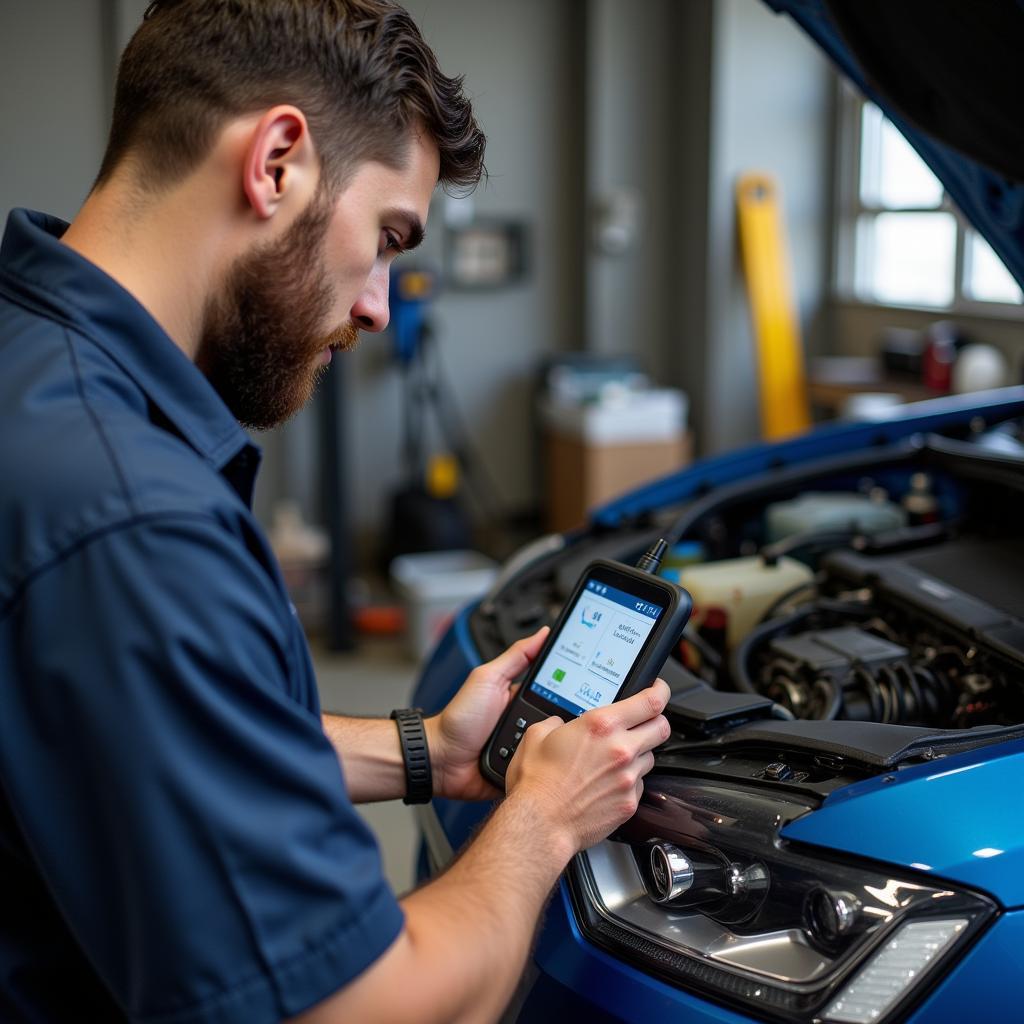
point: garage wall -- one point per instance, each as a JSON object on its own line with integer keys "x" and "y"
{"x": 54, "y": 96}
{"x": 628, "y": 102}
{"x": 679, "y": 103}
{"x": 771, "y": 111}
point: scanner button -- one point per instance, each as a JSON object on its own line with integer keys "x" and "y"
{"x": 520, "y": 723}
{"x": 503, "y": 752}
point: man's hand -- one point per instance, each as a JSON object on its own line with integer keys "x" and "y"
{"x": 584, "y": 778}
{"x": 457, "y": 735}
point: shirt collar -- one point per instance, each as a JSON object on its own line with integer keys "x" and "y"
{"x": 68, "y": 286}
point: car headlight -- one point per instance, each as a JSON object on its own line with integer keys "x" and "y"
{"x": 701, "y": 891}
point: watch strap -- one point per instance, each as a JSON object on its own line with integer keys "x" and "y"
{"x": 419, "y": 782}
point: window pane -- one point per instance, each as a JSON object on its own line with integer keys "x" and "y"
{"x": 988, "y": 280}
{"x": 906, "y": 258}
{"x": 891, "y": 174}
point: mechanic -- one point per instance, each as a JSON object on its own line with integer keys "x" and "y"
{"x": 177, "y": 837}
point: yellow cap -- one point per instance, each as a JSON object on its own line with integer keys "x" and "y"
{"x": 442, "y": 476}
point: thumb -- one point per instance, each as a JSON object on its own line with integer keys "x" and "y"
{"x": 518, "y": 657}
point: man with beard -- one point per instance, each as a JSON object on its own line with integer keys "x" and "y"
{"x": 177, "y": 837}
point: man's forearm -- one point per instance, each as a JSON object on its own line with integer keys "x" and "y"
{"x": 474, "y": 925}
{"x": 467, "y": 934}
{"x": 370, "y": 754}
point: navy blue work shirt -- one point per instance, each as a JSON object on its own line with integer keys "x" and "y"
{"x": 176, "y": 842}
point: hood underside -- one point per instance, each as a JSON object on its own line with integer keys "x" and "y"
{"x": 949, "y": 75}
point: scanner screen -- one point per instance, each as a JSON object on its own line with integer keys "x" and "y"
{"x": 596, "y": 648}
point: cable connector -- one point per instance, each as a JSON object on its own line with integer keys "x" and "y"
{"x": 650, "y": 560}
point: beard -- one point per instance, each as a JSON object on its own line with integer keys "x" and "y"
{"x": 263, "y": 334}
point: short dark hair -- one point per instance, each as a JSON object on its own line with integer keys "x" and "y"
{"x": 358, "y": 69}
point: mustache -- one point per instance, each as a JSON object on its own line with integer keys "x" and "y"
{"x": 344, "y": 338}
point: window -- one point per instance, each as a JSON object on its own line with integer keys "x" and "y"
{"x": 902, "y": 242}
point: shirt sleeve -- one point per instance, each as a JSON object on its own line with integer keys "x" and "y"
{"x": 189, "y": 817}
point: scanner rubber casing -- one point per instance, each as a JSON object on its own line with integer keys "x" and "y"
{"x": 528, "y": 708}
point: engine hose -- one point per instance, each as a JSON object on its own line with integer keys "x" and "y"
{"x": 835, "y": 698}
{"x": 893, "y": 692}
{"x": 912, "y": 685}
{"x": 869, "y": 684}
{"x": 899, "y": 693}
{"x": 739, "y": 662}
{"x": 939, "y": 688}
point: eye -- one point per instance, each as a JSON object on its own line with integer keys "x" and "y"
{"x": 390, "y": 243}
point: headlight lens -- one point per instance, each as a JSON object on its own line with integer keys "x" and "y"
{"x": 761, "y": 922}
{"x": 893, "y": 969}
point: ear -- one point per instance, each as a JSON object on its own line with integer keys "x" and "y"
{"x": 280, "y": 165}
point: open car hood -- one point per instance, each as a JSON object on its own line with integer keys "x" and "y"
{"x": 949, "y": 75}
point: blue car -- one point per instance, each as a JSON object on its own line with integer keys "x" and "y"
{"x": 835, "y": 830}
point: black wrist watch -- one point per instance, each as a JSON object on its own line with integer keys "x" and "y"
{"x": 419, "y": 782}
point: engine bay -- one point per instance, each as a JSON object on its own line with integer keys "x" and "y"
{"x": 923, "y": 637}
{"x": 883, "y": 587}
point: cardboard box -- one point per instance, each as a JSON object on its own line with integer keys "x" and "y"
{"x": 597, "y": 452}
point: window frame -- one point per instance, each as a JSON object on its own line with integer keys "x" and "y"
{"x": 851, "y": 208}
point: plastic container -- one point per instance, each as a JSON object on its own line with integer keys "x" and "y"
{"x": 434, "y": 586}
{"x": 837, "y": 510}
{"x": 744, "y": 588}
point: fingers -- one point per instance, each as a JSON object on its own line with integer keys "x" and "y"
{"x": 642, "y": 706}
{"x": 638, "y": 790}
{"x": 651, "y": 734}
{"x": 517, "y": 658}
{"x": 644, "y": 764}
{"x": 536, "y": 732}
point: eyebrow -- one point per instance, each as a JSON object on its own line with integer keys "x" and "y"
{"x": 414, "y": 233}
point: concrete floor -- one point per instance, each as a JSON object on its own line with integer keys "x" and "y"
{"x": 374, "y": 679}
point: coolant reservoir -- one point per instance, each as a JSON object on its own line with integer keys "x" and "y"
{"x": 744, "y": 587}
{"x": 831, "y": 511}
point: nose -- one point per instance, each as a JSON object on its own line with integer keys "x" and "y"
{"x": 370, "y": 310}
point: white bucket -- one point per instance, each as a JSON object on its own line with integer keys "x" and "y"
{"x": 434, "y": 587}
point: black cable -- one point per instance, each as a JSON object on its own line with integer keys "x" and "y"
{"x": 650, "y": 560}
{"x": 809, "y": 539}
{"x": 787, "y": 596}
{"x": 706, "y": 651}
